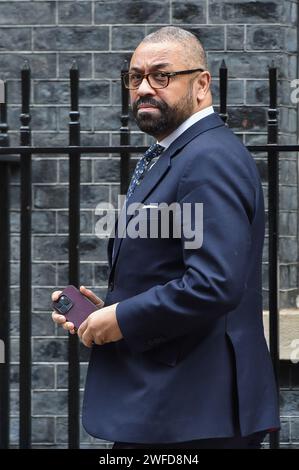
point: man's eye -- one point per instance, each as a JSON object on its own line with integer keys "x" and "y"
{"x": 160, "y": 75}
{"x": 136, "y": 76}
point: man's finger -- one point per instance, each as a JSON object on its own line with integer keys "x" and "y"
{"x": 87, "y": 338}
{"x": 82, "y": 328}
{"x": 91, "y": 296}
{"x": 56, "y": 294}
{"x": 59, "y": 319}
{"x": 69, "y": 326}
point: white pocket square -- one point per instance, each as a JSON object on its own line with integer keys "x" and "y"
{"x": 150, "y": 206}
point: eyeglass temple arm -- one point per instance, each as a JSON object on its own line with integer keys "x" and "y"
{"x": 183, "y": 72}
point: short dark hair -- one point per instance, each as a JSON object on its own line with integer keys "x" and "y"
{"x": 194, "y": 49}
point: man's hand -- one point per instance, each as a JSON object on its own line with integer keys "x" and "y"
{"x": 100, "y": 327}
{"x": 61, "y": 320}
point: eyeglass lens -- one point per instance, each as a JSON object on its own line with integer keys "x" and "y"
{"x": 155, "y": 79}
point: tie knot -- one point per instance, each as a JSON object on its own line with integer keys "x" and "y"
{"x": 153, "y": 151}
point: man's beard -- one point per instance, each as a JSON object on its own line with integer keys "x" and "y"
{"x": 169, "y": 118}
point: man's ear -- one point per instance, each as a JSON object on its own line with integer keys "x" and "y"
{"x": 203, "y": 85}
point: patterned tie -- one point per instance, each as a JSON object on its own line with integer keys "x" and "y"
{"x": 152, "y": 152}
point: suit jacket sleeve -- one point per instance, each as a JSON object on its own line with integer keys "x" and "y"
{"x": 215, "y": 274}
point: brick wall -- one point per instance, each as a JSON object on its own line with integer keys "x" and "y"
{"x": 289, "y": 382}
{"x": 99, "y": 35}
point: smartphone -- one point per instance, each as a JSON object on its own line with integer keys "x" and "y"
{"x": 74, "y": 306}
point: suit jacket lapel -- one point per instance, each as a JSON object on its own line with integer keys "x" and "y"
{"x": 158, "y": 171}
{"x": 150, "y": 180}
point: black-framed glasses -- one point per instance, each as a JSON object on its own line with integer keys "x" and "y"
{"x": 159, "y": 79}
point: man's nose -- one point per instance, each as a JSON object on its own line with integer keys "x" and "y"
{"x": 145, "y": 88}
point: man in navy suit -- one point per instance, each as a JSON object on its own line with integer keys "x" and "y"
{"x": 179, "y": 357}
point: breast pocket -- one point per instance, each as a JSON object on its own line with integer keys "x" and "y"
{"x": 155, "y": 221}
{"x": 149, "y": 212}
{"x": 145, "y": 223}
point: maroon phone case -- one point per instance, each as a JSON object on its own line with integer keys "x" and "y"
{"x": 81, "y": 308}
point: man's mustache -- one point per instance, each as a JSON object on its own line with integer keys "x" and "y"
{"x": 150, "y": 101}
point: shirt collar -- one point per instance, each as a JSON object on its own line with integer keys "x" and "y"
{"x": 185, "y": 125}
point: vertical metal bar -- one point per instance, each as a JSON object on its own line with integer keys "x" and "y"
{"x": 273, "y": 214}
{"x": 4, "y": 283}
{"x": 25, "y": 277}
{"x": 74, "y": 260}
{"x": 223, "y": 91}
{"x": 124, "y": 134}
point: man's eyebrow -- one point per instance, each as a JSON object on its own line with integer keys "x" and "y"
{"x": 154, "y": 66}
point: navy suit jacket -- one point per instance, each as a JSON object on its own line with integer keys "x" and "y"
{"x": 193, "y": 362}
